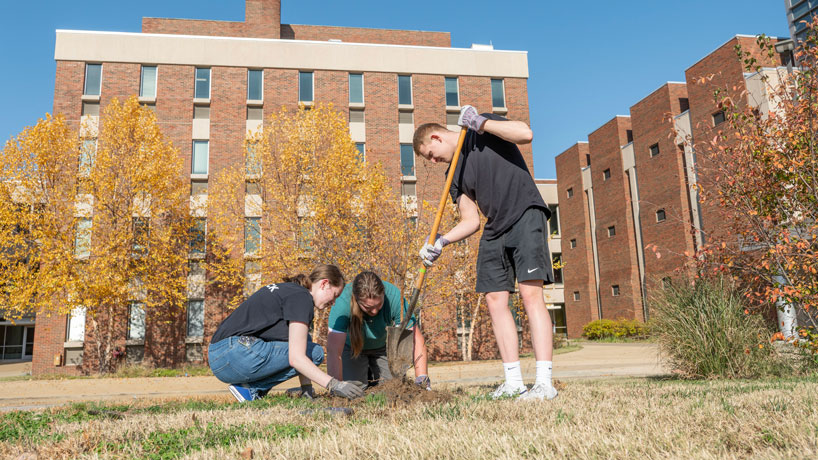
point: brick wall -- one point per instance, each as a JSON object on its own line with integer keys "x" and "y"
{"x": 578, "y": 272}
{"x": 361, "y": 35}
{"x": 612, "y": 205}
{"x": 662, "y": 184}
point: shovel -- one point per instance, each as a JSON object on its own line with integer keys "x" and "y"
{"x": 400, "y": 343}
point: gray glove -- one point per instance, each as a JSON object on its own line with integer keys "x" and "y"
{"x": 305, "y": 391}
{"x": 469, "y": 118}
{"x": 430, "y": 252}
{"x": 423, "y": 382}
{"x": 347, "y": 390}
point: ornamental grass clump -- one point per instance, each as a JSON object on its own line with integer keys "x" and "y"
{"x": 705, "y": 331}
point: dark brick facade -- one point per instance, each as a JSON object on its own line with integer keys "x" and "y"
{"x": 663, "y": 184}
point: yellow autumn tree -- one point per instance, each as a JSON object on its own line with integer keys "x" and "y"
{"x": 305, "y": 196}
{"x": 99, "y": 222}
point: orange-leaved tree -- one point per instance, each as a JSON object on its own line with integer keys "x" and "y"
{"x": 97, "y": 222}
{"x": 305, "y": 196}
{"x": 763, "y": 170}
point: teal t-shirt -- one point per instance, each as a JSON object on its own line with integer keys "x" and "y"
{"x": 374, "y": 326}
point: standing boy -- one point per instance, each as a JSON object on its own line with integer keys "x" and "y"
{"x": 492, "y": 176}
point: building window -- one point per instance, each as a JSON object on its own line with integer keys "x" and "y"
{"x": 554, "y": 220}
{"x": 195, "y": 318}
{"x": 556, "y": 265}
{"x": 573, "y": 243}
{"x": 356, "y": 88}
{"x": 255, "y": 113}
{"x": 361, "y": 148}
{"x": 587, "y": 159}
{"x": 305, "y": 86}
{"x": 202, "y": 89}
{"x": 611, "y": 231}
{"x": 558, "y": 318}
{"x": 452, "y": 96}
{"x": 498, "y": 93}
{"x": 75, "y": 330}
{"x": 82, "y": 240}
{"x": 252, "y": 188}
{"x": 90, "y": 109}
{"x": 606, "y": 174}
{"x": 684, "y": 104}
{"x": 136, "y": 321}
{"x": 147, "y": 84}
{"x": 88, "y": 153}
{"x": 252, "y": 162}
{"x": 200, "y": 157}
{"x": 570, "y": 192}
{"x": 615, "y": 290}
{"x": 141, "y": 235}
{"x": 198, "y": 237}
{"x": 407, "y": 160}
{"x": 576, "y": 295}
{"x": 405, "y": 89}
{"x": 252, "y": 235}
{"x": 357, "y": 116}
{"x": 408, "y": 189}
{"x": 305, "y": 234}
{"x": 198, "y": 187}
{"x": 660, "y": 215}
{"x": 718, "y": 118}
{"x": 93, "y": 79}
{"x": 629, "y": 135}
{"x": 255, "y": 85}
{"x": 654, "y": 150}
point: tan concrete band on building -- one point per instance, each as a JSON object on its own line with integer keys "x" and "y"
{"x": 286, "y": 54}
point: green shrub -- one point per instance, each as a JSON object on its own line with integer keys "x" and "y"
{"x": 614, "y": 329}
{"x": 705, "y": 330}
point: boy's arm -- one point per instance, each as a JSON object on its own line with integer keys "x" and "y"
{"x": 469, "y": 220}
{"x": 513, "y": 131}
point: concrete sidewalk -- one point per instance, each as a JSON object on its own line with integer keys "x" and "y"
{"x": 592, "y": 361}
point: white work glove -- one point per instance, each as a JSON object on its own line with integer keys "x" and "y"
{"x": 469, "y": 118}
{"x": 430, "y": 252}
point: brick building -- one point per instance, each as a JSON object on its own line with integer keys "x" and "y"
{"x": 630, "y": 209}
{"x": 210, "y": 82}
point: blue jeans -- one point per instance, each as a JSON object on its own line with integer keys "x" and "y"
{"x": 254, "y": 363}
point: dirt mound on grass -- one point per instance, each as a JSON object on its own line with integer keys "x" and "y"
{"x": 405, "y": 392}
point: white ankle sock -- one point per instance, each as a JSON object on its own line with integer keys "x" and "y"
{"x": 514, "y": 375}
{"x": 543, "y": 373}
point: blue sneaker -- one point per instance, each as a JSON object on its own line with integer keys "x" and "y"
{"x": 241, "y": 393}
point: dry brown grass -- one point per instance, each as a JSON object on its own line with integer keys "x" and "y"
{"x": 610, "y": 419}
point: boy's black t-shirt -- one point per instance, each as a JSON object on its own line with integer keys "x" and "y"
{"x": 491, "y": 171}
{"x": 267, "y": 313}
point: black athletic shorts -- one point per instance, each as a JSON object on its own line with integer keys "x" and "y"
{"x": 520, "y": 253}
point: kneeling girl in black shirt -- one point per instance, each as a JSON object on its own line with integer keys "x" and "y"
{"x": 265, "y": 341}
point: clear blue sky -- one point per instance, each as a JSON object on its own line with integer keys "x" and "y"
{"x": 588, "y": 61}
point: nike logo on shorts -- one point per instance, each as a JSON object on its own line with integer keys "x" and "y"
{"x": 533, "y": 270}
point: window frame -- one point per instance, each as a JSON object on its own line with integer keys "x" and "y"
{"x": 193, "y": 157}
{"x": 142, "y": 81}
{"x": 132, "y": 320}
{"x": 349, "y": 89}
{"x": 723, "y": 117}
{"x": 196, "y": 80}
{"x": 664, "y": 215}
{"x": 85, "y": 81}
{"x": 410, "y": 155}
{"x": 611, "y": 231}
{"x": 188, "y": 318}
{"x": 503, "y": 93}
{"x": 615, "y": 290}
{"x": 252, "y": 224}
{"x": 651, "y": 150}
{"x": 606, "y": 174}
{"x": 456, "y": 90}
{"x": 312, "y": 86}
{"x": 261, "y": 83}
{"x": 411, "y": 92}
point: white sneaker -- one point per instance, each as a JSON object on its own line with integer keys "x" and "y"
{"x": 539, "y": 392}
{"x": 506, "y": 390}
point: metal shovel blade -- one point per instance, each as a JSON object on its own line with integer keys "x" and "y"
{"x": 399, "y": 350}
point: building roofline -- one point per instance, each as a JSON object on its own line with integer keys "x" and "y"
{"x": 286, "y": 40}
{"x": 728, "y": 41}
{"x": 369, "y": 28}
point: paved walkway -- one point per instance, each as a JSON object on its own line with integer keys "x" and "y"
{"x": 592, "y": 361}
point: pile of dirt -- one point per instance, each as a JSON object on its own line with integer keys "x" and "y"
{"x": 405, "y": 392}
